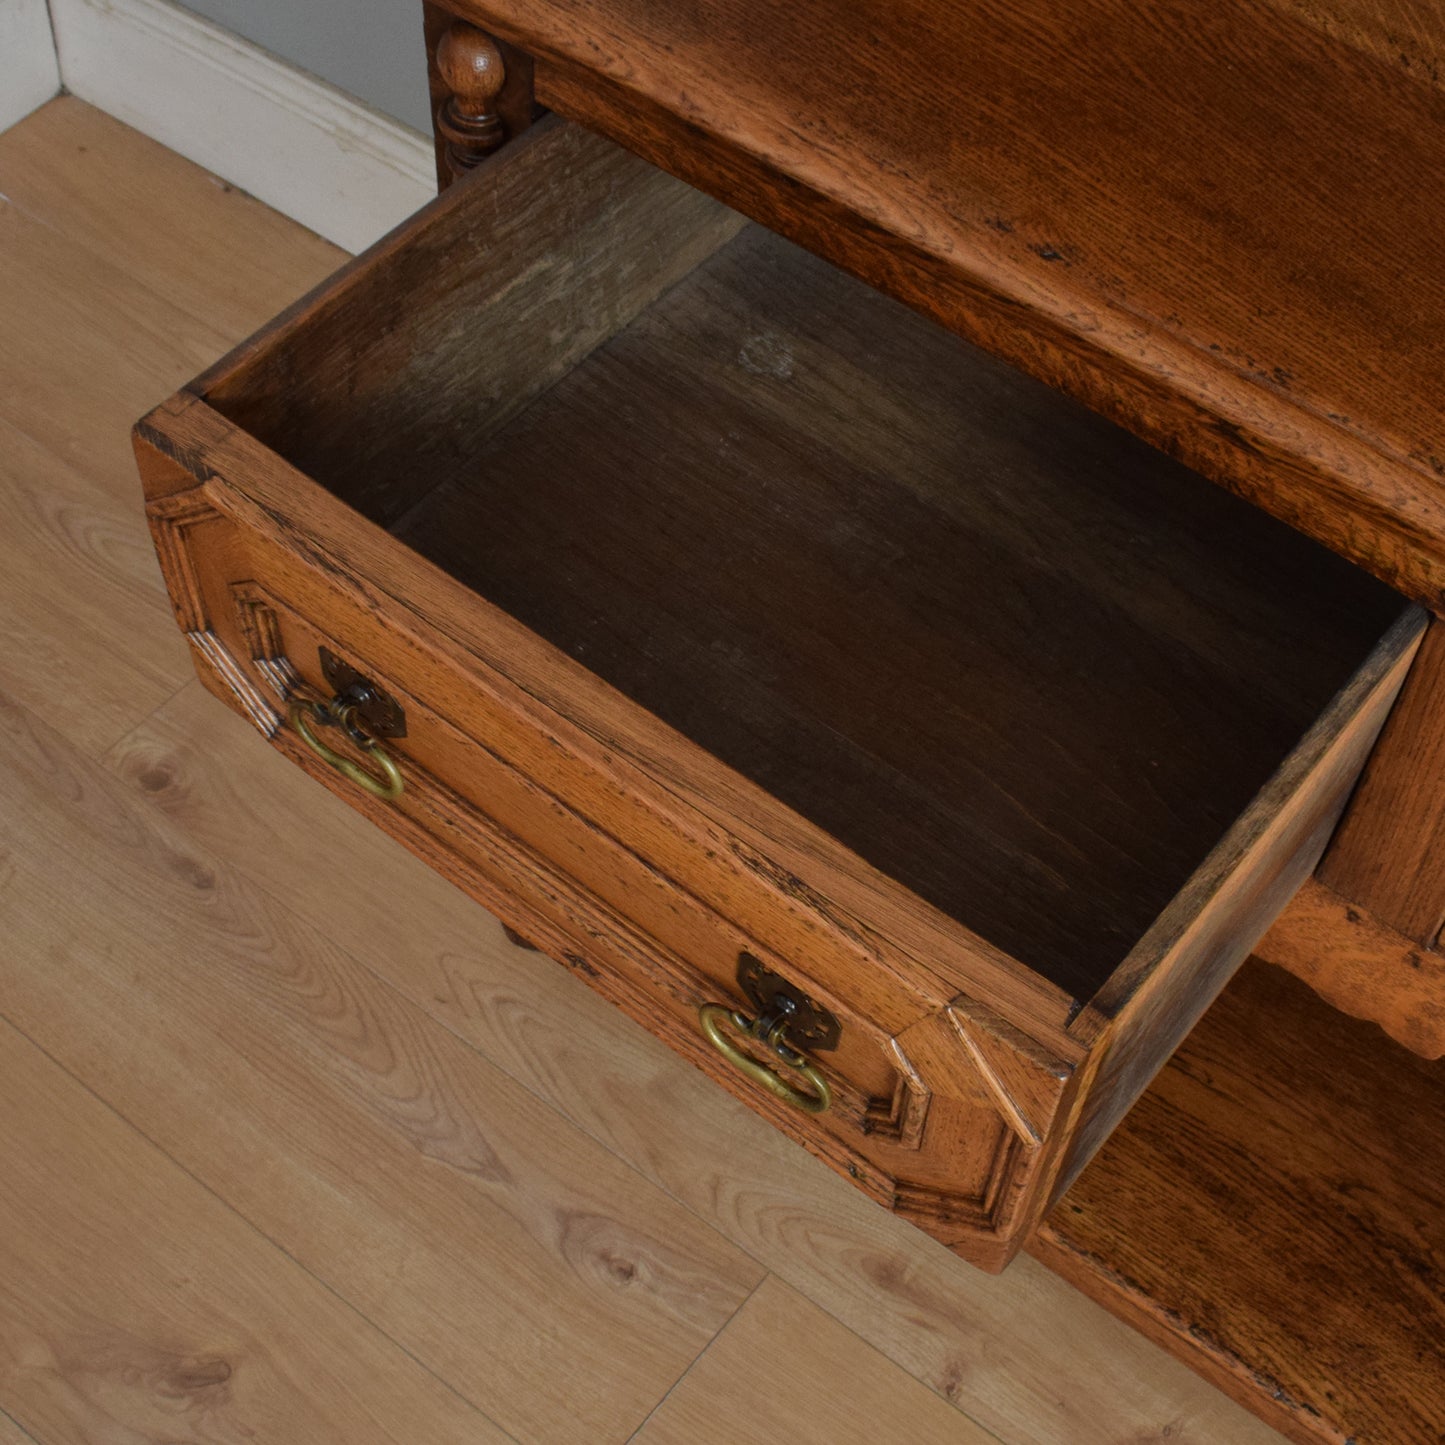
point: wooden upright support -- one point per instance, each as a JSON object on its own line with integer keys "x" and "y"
{"x": 471, "y": 65}
{"x": 1389, "y": 852}
{"x": 481, "y": 93}
{"x": 1365, "y": 932}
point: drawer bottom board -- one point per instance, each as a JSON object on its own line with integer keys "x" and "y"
{"x": 985, "y": 640}
{"x": 1273, "y": 1213}
{"x": 792, "y": 628}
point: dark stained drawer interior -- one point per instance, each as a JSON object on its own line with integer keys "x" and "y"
{"x": 1017, "y": 660}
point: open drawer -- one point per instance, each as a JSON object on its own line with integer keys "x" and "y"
{"x": 913, "y": 750}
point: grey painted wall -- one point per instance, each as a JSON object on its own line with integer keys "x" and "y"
{"x": 371, "y": 48}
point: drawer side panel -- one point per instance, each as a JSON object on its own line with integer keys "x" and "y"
{"x": 1180, "y": 967}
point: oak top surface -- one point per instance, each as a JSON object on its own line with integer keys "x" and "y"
{"x": 1225, "y": 200}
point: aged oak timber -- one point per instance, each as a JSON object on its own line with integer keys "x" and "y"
{"x": 1389, "y": 853}
{"x": 767, "y": 533}
{"x": 1274, "y": 1211}
{"x": 1206, "y": 223}
{"x": 481, "y": 92}
{"x": 748, "y": 626}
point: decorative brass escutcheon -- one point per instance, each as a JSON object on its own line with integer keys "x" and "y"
{"x": 366, "y": 714}
{"x": 786, "y": 1017}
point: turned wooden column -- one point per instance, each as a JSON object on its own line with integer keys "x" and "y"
{"x": 481, "y": 92}
{"x": 471, "y": 66}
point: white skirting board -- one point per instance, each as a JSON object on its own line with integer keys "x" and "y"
{"x": 29, "y": 75}
{"x": 300, "y": 145}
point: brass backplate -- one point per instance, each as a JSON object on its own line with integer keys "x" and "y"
{"x": 810, "y": 1025}
{"x": 379, "y": 714}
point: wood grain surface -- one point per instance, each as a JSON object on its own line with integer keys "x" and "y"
{"x": 793, "y": 1399}
{"x": 515, "y": 104}
{"x": 1406, "y": 34}
{"x": 366, "y": 382}
{"x": 912, "y": 595}
{"x": 1275, "y": 1206}
{"x": 1145, "y": 1010}
{"x": 1124, "y": 200}
{"x": 776, "y": 874}
{"x": 11, "y": 1433}
{"x": 1056, "y": 714}
{"x": 1389, "y": 855}
{"x": 891, "y": 1285}
{"x": 198, "y": 915}
{"x": 1362, "y": 966}
{"x": 641, "y": 903}
{"x": 92, "y": 659}
{"x": 136, "y": 1306}
{"x": 164, "y": 226}
{"x": 288, "y": 1079}
{"x": 959, "y": 624}
{"x": 115, "y": 343}
{"x": 114, "y": 332}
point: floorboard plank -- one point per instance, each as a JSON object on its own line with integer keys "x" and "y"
{"x": 11, "y": 1433}
{"x": 89, "y": 640}
{"x": 1025, "y": 1354}
{"x": 136, "y": 1307}
{"x": 93, "y": 333}
{"x": 495, "y": 1242}
{"x": 177, "y": 231}
{"x": 84, "y": 350}
{"x": 745, "y": 1382}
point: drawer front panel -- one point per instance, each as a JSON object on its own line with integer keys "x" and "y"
{"x": 920, "y": 1115}
{"x": 456, "y": 775}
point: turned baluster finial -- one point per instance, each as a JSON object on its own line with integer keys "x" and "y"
{"x": 471, "y": 66}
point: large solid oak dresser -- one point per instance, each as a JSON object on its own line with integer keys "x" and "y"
{"x": 902, "y": 544}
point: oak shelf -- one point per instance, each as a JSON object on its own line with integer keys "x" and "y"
{"x": 1273, "y": 1210}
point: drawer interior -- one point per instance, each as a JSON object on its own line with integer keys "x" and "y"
{"x": 1014, "y": 658}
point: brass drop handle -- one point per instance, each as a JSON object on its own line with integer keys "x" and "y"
{"x": 770, "y": 1030}
{"x": 386, "y": 782}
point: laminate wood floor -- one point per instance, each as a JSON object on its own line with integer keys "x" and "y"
{"x": 294, "y": 1145}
